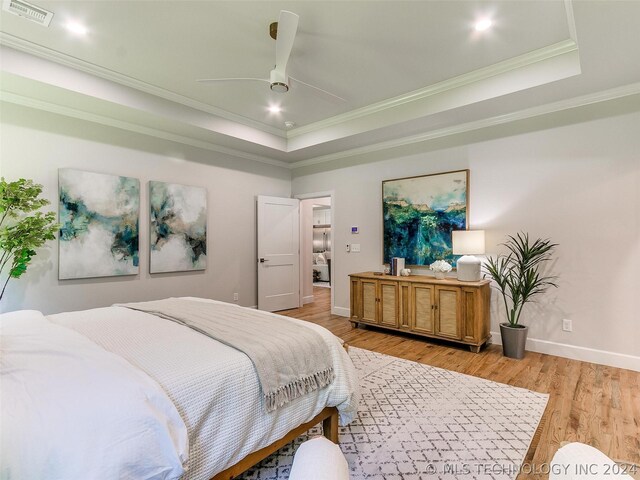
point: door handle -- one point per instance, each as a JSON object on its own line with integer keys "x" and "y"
{"x": 262, "y": 260}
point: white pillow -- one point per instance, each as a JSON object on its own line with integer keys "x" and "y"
{"x": 319, "y": 259}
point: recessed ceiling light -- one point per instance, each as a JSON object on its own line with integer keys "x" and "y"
{"x": 275, "y": 109}
{"x": 484, "y": 24}
{"x": 76, "y": 28}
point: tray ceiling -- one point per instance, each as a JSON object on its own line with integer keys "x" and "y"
{"x": 396, "y": 63}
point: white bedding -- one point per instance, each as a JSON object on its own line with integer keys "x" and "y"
{"x": 214, "y": 387}
{"x": 71, "y": 410}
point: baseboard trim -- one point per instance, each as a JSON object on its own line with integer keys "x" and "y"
{"x": 602, "y": 357}
{"x": 341, "y": 311}
{"x": 307, "y": 299}
{"x": 585, "y": 354}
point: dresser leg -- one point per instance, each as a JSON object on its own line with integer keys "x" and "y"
{"x": 474, "y": 348}
{"x": 354, "y": 324}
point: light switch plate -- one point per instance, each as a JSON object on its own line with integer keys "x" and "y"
{"x": 355, "y": 248}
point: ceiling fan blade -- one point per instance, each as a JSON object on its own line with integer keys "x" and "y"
{"x": 242, "y": 79}
{"x": 324, "y": 93}
{"x": 287, "y": 28}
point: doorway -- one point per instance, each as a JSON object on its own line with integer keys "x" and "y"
{"x": 321, "y": 243}
{"x": 317, "y": 261}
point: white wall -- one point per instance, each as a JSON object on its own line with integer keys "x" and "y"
{"x": 34, "y": 144}
{"x": 577, "y": 184}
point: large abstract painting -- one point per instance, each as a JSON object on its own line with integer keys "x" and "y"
{"x": 178, "y": 227}
{"x": 419, "y": 214}
{"x": 99, "y": 224}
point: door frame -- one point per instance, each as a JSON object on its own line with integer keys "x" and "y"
{"x": 325, "y": 194}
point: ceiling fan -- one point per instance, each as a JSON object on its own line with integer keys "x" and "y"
{"x": 284, "y": 33}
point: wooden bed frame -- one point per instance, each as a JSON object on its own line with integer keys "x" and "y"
{"x": 329, "y": 419}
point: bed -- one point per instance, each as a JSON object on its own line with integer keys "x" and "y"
{"x": 154, "y": 398}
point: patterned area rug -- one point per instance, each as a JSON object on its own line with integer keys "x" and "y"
{"x": 416, "y": 422}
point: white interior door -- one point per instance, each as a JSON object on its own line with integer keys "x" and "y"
{"x": 278, "y": 253}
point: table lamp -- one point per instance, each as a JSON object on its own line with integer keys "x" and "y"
{"x": 468, "y": 243}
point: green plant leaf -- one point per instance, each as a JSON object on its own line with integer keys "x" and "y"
{"x": 20, "y": 234}
{"x": 518, "y": 274}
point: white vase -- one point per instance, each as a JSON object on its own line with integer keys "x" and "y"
{"x": 440, "y": 275}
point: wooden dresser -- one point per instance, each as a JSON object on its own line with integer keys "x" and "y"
{"x": 446, "y": 309}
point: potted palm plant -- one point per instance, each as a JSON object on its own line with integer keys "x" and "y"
{"x": 519, "y": 278}
{"x": 22, "y": 234}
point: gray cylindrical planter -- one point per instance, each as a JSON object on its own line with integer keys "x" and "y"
{"x": 514, "y": 339}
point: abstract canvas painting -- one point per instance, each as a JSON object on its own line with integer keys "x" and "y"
{"x": 419, "y": 214}
{"x": 99, "y": 224}
{"x": 178, "y": 227}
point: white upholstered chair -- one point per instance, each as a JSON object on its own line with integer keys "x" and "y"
{"x": 577, "y": 461}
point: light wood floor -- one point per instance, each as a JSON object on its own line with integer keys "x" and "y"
{"x": 588, "y": 403}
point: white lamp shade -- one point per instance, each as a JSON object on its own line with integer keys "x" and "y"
{"x": 468, "y": 242}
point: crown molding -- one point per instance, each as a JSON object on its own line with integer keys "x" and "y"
{"x": 598, "y": 97}
{"x": 571, "y": 20}
{"x": 133, "y": 127}
{"x": 505, "y": 66}
{"x": 87, "y": 67}
{"x": 515, "y": 63}
{"x": 584, "y": 100}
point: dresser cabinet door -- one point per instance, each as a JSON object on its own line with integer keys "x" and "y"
{"x": 448, "y": 312}
{"x": 369, "y": 298}
{"x": 471, "y": 304}
{"x": 354, "y": 299}
{"x": 422, "y": 302}
{"x": 405, "y": 306}
{"x": 389, "y": 303}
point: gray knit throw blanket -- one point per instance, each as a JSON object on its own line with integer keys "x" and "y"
{"x": 290, "y": 358}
